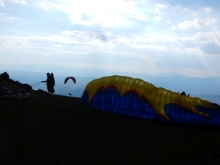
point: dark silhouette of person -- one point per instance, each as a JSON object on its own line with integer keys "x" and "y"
{"x": 52, "y": 83}
{"x": 49, "y": 83}
{"x": 52, "y": 79}
{"x": 183, "y": 93}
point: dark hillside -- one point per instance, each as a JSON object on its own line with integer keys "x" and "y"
{"x": 59, "y": 130}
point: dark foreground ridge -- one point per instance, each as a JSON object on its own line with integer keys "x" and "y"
{"x": 55, "y": 129}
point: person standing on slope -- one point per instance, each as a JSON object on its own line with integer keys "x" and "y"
{"x": 52, "y": 83}
{"x": 49, "y": 84}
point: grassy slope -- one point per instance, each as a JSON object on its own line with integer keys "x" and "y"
{"x": 59, "y": 130}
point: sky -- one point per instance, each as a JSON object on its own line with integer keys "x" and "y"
{"x": 134, "y": 36}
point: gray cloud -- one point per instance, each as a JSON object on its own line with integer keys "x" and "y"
{"x": 102, "y": 36}
{"x": 210, "y": 48}
{"x": 92, "y": 34}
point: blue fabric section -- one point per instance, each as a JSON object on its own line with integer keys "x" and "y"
{"x": 214, "y": 114}
{"x": 182, "y": 115}
{"x": 129, "y": 104}
{"x": 85, "y": 98}
{"x": 109, "y": 100}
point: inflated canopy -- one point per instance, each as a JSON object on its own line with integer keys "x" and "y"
{"x": 135, "y": 97}
{"x": 72, "y": 78}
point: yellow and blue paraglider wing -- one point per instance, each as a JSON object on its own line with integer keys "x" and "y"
{"x": 135, "y": 97}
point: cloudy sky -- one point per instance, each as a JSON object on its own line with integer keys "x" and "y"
{"x": 138, "y": 36}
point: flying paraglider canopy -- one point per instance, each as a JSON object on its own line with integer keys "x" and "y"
{"x": 72, "y": 78}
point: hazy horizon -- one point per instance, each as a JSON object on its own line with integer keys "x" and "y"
{"x": 122, "y": 36}
{"x": 205, "y": 88}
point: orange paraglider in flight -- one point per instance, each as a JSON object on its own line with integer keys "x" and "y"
{"x": 72, "y": 78}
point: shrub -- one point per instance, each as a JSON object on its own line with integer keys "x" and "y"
{"x": 5, "y": 76}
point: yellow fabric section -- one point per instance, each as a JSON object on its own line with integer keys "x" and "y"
{"x": 157, "y": 97}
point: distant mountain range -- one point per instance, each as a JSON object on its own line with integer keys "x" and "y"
{"x": 205, "y": 88}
